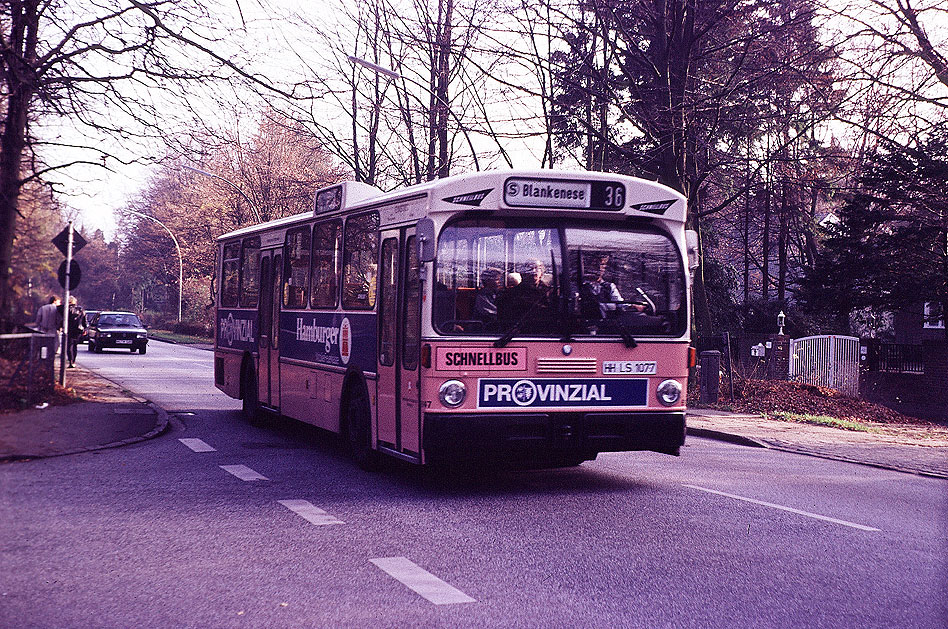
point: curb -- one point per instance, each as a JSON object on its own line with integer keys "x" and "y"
{"x": 160, "y": 426}
{"x": 719, "y": 435}
{"x": 741, "y": 440}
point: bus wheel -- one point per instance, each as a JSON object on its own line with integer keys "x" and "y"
{"x": 359, "y": 432}
{"x": 251, "y": 396}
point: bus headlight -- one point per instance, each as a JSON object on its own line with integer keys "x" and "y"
{"x": 452, "y": 393}
{"x": 669, "y": 392}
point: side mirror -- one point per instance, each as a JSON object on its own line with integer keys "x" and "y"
{"x": 425, "y": 231}
{"x": 691, "y": 242}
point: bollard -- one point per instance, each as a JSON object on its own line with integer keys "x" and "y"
{"x": 709, "y": 378}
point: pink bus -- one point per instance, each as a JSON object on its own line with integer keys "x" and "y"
{"x": 536, "y": 317}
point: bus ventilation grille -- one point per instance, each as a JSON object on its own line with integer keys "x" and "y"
{"x": 566, "y": 365}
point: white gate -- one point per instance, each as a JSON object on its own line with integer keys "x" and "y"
{"x": 826, "y": 361}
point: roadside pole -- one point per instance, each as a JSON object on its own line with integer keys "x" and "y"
{"x": 65, "y": 339}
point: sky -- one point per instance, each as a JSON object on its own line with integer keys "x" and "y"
{"x": 281, "y": 51}
{"x": 97, "y": 194}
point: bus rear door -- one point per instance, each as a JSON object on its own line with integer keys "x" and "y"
{"x": 271, "y": 280}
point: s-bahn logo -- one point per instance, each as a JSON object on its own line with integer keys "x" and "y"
{"x": 239, "y": 330}
{"x": 557, "y": 392}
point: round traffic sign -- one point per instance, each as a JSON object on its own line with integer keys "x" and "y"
{"x": 75, "y": 274}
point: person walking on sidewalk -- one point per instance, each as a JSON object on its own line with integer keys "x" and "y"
{"x": 49, "y": 320}
{"x": 77, "y": 323}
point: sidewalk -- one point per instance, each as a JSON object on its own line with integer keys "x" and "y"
{"x": 904, "y": 447}
{"x": 111, "y": 417}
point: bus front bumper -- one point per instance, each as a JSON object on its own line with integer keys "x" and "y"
{"x": 450, "y": 438}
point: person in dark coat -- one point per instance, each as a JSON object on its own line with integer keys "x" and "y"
{"x": 77, "y": 323}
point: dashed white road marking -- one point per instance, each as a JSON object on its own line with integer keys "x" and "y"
{"x": 243, "y": 472}
{"x": 421, "y": 581}
{"x": 816, "y": 516}
{"x": 313, "y": 515}
{"x": 197, "y": 445}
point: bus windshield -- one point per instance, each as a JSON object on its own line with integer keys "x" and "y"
{"x": 513, "y": 278}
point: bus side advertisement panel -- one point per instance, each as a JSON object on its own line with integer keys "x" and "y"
{"x": 237, "y": 329}
{"x": 330, "y": 338}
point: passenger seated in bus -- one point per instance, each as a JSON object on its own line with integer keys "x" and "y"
{"x": 531, "y": 295}
{"x": 599, "y": 294}
{"x": 485, "y": 303}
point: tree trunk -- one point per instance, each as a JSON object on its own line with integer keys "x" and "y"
{"x": 20, "y": 83}
{"x": 782, "y": 242}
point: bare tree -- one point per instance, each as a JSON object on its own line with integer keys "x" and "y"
{"x": 106, "y": 68}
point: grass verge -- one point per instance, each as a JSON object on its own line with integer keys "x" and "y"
{"x": 174, "y": 337}
{"x": 822, "y": 420}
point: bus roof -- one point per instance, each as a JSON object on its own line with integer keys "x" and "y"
{"x": 596, "y": 194}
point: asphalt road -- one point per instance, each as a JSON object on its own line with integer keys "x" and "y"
{"x": 221, "y": 524}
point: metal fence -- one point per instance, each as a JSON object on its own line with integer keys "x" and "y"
{"x": 826, "y": 361}
{"x": 895, "y": 358}
{"x": 26, "y": 367}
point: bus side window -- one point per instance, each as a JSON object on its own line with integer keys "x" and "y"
{"x": 327, "y": 256}
{"x": 230, "y": 275}
{"x": 250, "y": 273}
{"x": 360, "y": 262}
{"x": 295, "y": 275}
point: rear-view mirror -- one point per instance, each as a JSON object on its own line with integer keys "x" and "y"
{"x": 425, "y": 231}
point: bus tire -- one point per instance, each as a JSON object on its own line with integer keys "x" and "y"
{"x": 359, "y": 431}
{"x": 250, "y": 408}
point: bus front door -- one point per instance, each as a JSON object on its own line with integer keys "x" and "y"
{"x": 271, "y": 280}
{"x": 399, "y": 418}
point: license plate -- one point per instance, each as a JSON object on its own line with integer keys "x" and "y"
{"x": 124, "y": 341}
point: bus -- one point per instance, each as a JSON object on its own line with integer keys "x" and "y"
{"x": 518, "y": 316}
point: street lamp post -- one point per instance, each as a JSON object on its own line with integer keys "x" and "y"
{"x": 233, "y": 186}
{"x": 392, "y": 75}
{"x": 180, "y": 259}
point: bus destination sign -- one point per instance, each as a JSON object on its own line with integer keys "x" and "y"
{"x": 564, "y": 194}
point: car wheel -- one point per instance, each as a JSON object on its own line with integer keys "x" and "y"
{"x": 359, "y": 432}
{"x": 141, "y": 350}
{"x": 98, "y": 350}
{"x": 91, "y": 347}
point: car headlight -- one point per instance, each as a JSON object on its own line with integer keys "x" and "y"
{"x": 669, "y": 392}
{"x": 452, "y": 393}
{"x": 142, "y": 336}
{"x": 106, "y": 335}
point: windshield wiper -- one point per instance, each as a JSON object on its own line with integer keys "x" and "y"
{"x": 509, "y": 334}
{"x": 627, "y": 337}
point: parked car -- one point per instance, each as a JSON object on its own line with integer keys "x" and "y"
{"x": 90, "y": 316}
{"x": 117, "y": 329}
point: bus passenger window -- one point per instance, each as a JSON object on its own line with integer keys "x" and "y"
{"x": 297, "y": 267}
{"x": 360, "y": 266}
{"x": 250, "y": 273}
{"x": 230, "y": 275}
{"x": 327, "y": 258}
